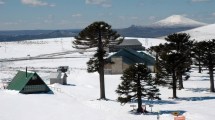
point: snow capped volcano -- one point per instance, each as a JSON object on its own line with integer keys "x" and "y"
{"x": 178, "y": 21}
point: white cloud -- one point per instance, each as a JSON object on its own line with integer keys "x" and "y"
{"x": 213, "y": 14}
{"x": 97, "y": 2}
{"x": 152, "y": 17}
{"x": 106, "y": 5}
{"x": 200, "y": 0}
{"x": 134, "y": 18}
{"x": 10, "y": 23}
{"x": 185, "y": 15}
{"x": 76, "y": 15}
{"x": 103, "y": 3}
{"x": 2, "y": 2}
{"x": 36, "y": 3}
{"x": 122, "y": 17}
{"x": 50, "y": 16}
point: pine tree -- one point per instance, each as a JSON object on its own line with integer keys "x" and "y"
{"x": 171, "y": 61}
{"x": 182, "y": 45}
{"x": 167, "y": 63}
{"x": 208, "y": 59}
{"x": 100, "y": 35}
{"x": 173, "y": 58}
{"x": 137, "y": 83}
{"x": 161, "y": 73}
{"x": 198, "y": 54}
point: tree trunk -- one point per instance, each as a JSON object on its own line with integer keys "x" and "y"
{"x": 101, "y": 67}
{"x": 181, "y": 86}
{"x": 174, "y": 84}
{"x": 102, "y": 83}
{"x": 211, "y": 79}
{"x": 200, "y": 68}
{"x": 139, "y": 98}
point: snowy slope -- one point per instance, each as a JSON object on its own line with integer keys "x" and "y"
{"x": 178, "y": 21}
{"x": 202, "y": 33}
{"x": 78, "y": 99}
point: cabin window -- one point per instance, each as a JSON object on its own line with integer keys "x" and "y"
{"x": 34, "y": 88}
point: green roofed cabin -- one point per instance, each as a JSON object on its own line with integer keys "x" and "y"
{"x": 27, "y": 83}
{"x": 122, "y": 59}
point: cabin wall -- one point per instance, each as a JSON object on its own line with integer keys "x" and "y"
{"x": 117, "y": 66}
{"x": 108, "y": 68}
{"x": 56, "y": 80}
{"x": 125, "y": 66}
{"x": 62, "y": 81}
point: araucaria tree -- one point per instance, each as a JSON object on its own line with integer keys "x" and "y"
{"x": 100, "y": 35}
{"x": 137, "y": 84}
{"x": 181, "y": 43}
{"x": 173, "y": 58}
{"x": 198, "y": 54}
{"x": 208, "y": 59}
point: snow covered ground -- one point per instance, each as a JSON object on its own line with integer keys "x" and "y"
{"x": 78, "y": 99}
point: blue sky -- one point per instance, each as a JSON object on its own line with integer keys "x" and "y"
{"x": 75, "y": 14}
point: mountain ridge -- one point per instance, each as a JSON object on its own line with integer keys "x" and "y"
{"x": 169, "y": 25}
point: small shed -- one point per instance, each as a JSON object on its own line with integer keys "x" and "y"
{"x": 27, "y": 83}
{"x": 58, "y": 77}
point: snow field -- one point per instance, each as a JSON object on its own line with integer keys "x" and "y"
{"x": 78, "y": 99}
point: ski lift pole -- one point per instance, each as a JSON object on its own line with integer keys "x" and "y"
{"x": 158, "y": 115}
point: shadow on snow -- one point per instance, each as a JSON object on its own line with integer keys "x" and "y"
{"x": 196, "y": 98}
{"x": 198, "y": 89}
{"x": 181, "y": 112}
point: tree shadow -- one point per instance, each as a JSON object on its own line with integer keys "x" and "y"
{"x": 134, "y": 112}
{"x": 149, "y": 102}
{"x": 106, "y": 99}
{"x": 196, "y": 98}
{"x": 201, "y": 78}
{"x": 70, "y": 85}
{"x": 160, "y": 102}
{"x": 205, "y": 79}
{"x": 155, "y": 102}
{"x": 198, "y": 89}
{"x": 180, "y": 112}
{"x": 172, "y": 111}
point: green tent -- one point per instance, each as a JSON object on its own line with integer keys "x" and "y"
{"x": 28, "y": 82}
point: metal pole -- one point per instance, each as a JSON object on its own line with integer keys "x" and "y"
{"x": 158, "y": 116}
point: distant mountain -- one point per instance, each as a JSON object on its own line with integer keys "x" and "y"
{"x": 24, "y": 32}
{"x": 35, "y": 34}
{"x": 177, "y": 21}
{"x": 169, "y": 25}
